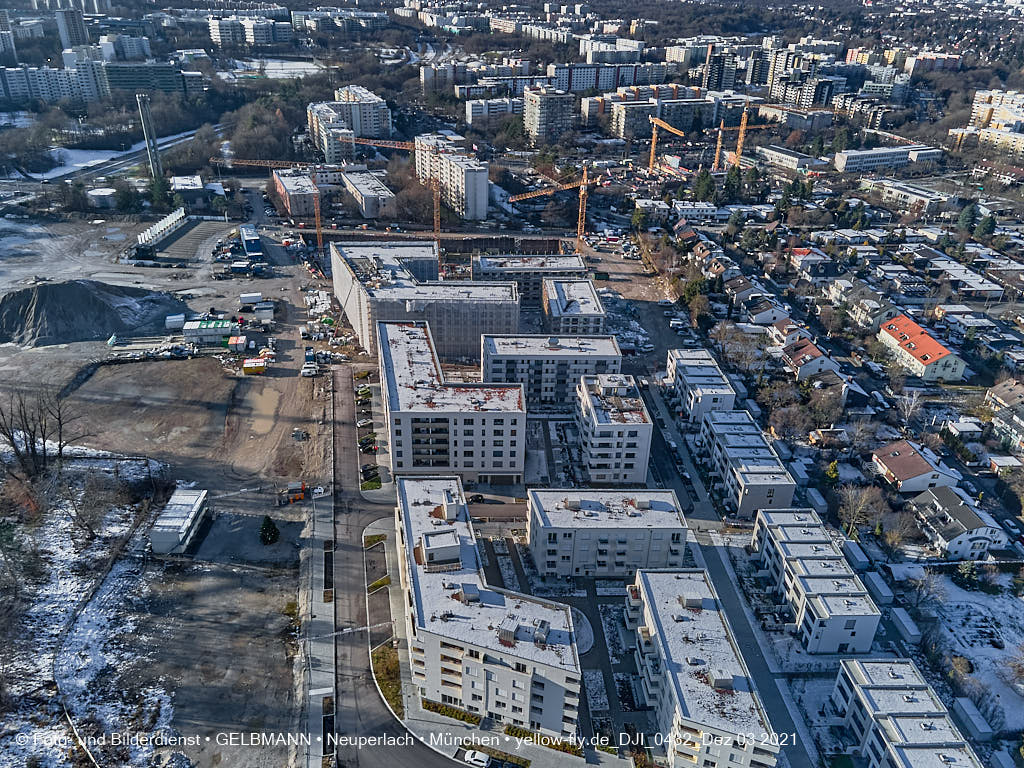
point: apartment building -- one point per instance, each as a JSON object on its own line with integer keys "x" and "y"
{"x": 919, "y": 352}
{"x": 71, "y": 27}
{"x": 697, "y": 384}
{"x": 859, "y": 160}
{"x": 484, "y": 110}
{"x": 462, "y": 178}
{"x": 547, "y": 114}
{"x": 573, "y": 307}
{"x": 744, "y": 467}
{"x": 832, "y": 611}
{"x": 296, "y": 190}
{"x": 604, "y": 533}
{"x": 893, "y": 719}
{"x": 493, "y": 652}
{"x": 615, "y": 429}
{"x": 369, "y": 191}
{"x": 355, "y": 112}
{"x": 548, "y": 367}
{"x": 226, "y": 31}
{"x": 579, "y": 77}
{"x": 397, "y": 281}
{"x": 955, "y": 527}
{"x": 477, "y": 431}
{"x": 529, "y": 271}
{"x": 692, "y": 673}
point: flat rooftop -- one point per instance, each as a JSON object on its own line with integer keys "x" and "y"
{"x": 415, "y": 381}
{"x": 699, "y": 371}
{"x": 367, "y": 183}
{"x": 614, "y": 399}
{"x": 296, "y": 183}
{"x": 591, "y": 508}
{"x": 533, "y": 263}
{"x": 546, "y": 345}
{"x": 852, "y": 604}
{"x": 885, "y": 672}
{"x": 180, "y": 508}
{"x": 422, "y": 503}
{"x": 686, "y": 634}
{"x": 946, "y": 756}
{"x": 382, "y": 270}
{"x": 572, "y": 297}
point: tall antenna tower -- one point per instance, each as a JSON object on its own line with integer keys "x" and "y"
{"x": 156, "y": 168}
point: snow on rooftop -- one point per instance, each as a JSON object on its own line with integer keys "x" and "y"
{"x": 180, "y": 509}
{"x": 572, "y": 297}
{"x": 424, "y": 505}
{"x": 611, "y": 508}
{"x": 415, "y": 381}
{"x": 612, "y": 398}
{"x": 696, "y": 644}
{"x": 546, "y": 345}
{"x": 382, "y": 269}
{"x": 532, "y": 263}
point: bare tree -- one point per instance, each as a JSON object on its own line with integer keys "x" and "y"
{"x": 897, "y": 527}
{"x": 863, "y": 435}
{"x": 926, "y": 590}
{"x": 908, "y": 406}
{"x": 1014, "y": 668}
{"x": 859, "y": 505}
{"x": 29, "y": 424}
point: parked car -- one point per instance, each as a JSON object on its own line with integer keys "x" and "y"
{"x": 476, "y": 758}
{"x": 310, "y": 369}
{"x": 476, "y": 498}
{"x": 366, "y": 467}
{"x": 364, "y": 423}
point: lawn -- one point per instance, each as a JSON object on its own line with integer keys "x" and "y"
{"x": 377, "y": 538}
{"x": 370, "y": 485}
{"x": 383, "y": 581}
{"x": 385, "y": 669}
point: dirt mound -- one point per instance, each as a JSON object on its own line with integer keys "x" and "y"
{"x": 82, "y": 310}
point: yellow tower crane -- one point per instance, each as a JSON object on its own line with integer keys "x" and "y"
{"x": 583, "y": 184}
{"x": 657, "y": 123}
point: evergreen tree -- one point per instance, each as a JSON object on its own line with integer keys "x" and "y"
{"x": 732, "y": 184}
{"x": 269, "y": 534}
{"x": 968, "y": 217}
{"x": 704, "y": 186}
{"x": 986, "y": 227}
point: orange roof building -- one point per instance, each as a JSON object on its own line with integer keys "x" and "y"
{"x": 919, "y": 352}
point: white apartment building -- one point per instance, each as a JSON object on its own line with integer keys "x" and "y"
{"x": 483, "y": 110}
{"x": 692, "y": 672}
{"x": 832, "y": 610}
{"x": 893, "y": 718}
{"x": 529, "y": 271}
{"x": 260, "y": 31}
{"x": 369, "y": 192}
{"x": 226, "y": 31}
{"x": 743, "y": 466}
{"x": 547, "y": 114}
{"x": 573, "y": 307}
{"x": 355, "y": 112}
{"x": 477, "y": 431}
{"x": 548, "y": 367}
{"x": 697, "y": 384}
{"x": 615, "y": 429}
{"x": 462, "y": 178}
{"x": 398, "y": 281}
{"x": 858, "y": 160}
{"x": 604, "y": 533}
{"x": 499, "y": 654}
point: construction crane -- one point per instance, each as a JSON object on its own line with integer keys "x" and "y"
{"x": 583, "y": 184}
{"x": 743, "y": 127}
{"x": 407, "y": 146}
{"x": 657, "y": 123}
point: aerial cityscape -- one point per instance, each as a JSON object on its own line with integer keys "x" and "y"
{"x": 439, "y": 383}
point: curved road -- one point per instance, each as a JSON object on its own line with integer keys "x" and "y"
{"x": 360, "y": 709}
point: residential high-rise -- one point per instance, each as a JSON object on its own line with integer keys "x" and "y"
{"x": 356, "y": 111}
{"x": 547, "y": 114}
{"x": 71, "y": 27}
{"x": 719, "y": 72}
{"x": 8, "y": 52}
{"x": 615, "y": 429}
{"x": 462, "y": 178}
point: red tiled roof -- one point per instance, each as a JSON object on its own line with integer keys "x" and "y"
{"x": 914, "y": 339}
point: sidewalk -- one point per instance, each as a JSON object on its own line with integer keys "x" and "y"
{"x": 320, "y": 626}
{"x": 387, "y": 493}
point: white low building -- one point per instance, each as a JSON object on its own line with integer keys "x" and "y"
{"x": 175, "y": 527}
{"x": 698, "y": 384}
{"x": 604, "y": 533}
{"x": 743, "y": 466}
{"x": 477, "y": 431}
{"x": 893, "y": 719}
{"x": 692, "y": 672}
{"x": 957, "y": 529}
{"x": 493, "y": 652}
{"x": 548, "y": 367}
{"x": 832, "y": 610}
{"x": 615, "y": 429}
{"x": 573, "y": 307}
{"x": 369, "y": 191}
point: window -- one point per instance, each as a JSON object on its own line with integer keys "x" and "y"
{"x": 519, "y": 667}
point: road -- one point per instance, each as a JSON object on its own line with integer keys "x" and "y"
{"x": 360, "y": 709}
